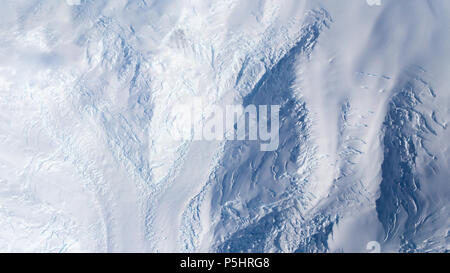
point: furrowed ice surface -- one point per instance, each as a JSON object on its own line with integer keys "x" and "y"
{"x": 87, "y": 89}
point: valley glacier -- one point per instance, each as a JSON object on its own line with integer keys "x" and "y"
{"x": 86, "y": 91}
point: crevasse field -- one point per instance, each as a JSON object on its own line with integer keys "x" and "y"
{"x": 86, "y": 90}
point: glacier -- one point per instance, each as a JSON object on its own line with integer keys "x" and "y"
{"x": 86, "y": 159}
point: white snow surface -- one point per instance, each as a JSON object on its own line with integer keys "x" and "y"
{"x": 86, "y": 88}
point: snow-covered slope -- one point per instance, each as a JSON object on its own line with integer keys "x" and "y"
{"x": 87, "y": 89}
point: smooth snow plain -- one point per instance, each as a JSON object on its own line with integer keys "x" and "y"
{"x": 86, "y": 90}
